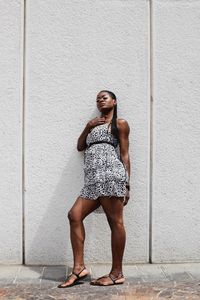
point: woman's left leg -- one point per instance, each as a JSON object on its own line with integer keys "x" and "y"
{"x": 113, "y": 208}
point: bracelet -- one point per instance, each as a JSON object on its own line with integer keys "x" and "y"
{"x": 128, "y": 187}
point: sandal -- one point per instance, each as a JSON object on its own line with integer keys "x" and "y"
{"x": 114, "y": 280}
{"x": 75, "y": 281}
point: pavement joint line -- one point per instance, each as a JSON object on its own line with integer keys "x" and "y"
{"x": 17, "y": 273}
{"x": 65, "y": 274}
{"x": 164, "y": 272}
{"x": 90, "y": 270}
{"x": 190, "y": 275}
{"x": 42, "y": 275}
{"x": 193, "y": 276}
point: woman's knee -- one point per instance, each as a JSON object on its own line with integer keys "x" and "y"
{"x": 115, "y": 222}
{"x": 73, "y": 216}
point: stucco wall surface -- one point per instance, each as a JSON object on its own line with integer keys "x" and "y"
{"x": 10, "y": 133}
{"x": 75, "y": 49}
{"x": 176, "y": 164}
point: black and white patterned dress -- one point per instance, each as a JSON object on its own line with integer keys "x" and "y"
{"x": 104, "y": 172}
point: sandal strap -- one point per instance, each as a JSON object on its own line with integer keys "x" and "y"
{"x": 77, "y": 274}
{"x": 104, "y": 276}
{"x": 114, "y": 279}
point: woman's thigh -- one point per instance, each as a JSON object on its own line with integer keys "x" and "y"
{"x": 82, "y": 207}
{"x": 113, "y": 208}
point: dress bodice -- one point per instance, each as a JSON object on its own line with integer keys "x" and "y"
{"x": 101, "y": 133}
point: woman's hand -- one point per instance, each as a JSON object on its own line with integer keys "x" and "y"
{"x": 127, "y": 196}
{"x": 81, "y": 144}
{"x": 95, "y": 122}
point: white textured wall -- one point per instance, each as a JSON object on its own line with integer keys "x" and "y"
{"x": 75, "y": 49}
{"x": 10, "y": 133}
{"x": 176, "y": 188}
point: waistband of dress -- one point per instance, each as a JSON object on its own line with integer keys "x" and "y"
{"x": 100, "y": 142}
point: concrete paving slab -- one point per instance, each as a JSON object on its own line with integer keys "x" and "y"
{"x": 131, "y": 271}
{"x": 32, "y": 274}
{"x": 180, "y": 272}
{"x": 194, "y": 270}
{"x": 184, "y": 276}
{"x": 9, "y": 273}
{"x": 151, "y": 273}
{"x": 54, "y": 273}
{"x": 179, "y": 266}
{"x": 97, "y": 270}
{"x": 175, "y": 288}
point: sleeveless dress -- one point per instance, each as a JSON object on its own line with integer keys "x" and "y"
{"x": 104, "y": 172}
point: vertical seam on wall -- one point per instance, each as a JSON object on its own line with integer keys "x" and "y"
{"x": 23, "y": 130}
{"x": 151, "y": 127}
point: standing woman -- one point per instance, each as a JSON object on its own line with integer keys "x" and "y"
{"x": 106, "y": 183}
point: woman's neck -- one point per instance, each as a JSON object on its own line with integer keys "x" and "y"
{"x": 108, "y": 115}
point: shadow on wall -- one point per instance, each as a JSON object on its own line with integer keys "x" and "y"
{"x": 51, "y": 244}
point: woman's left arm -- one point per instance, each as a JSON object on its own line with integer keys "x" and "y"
{"x": 124, "y": 130}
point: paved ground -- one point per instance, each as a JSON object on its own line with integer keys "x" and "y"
{"x": 143, "y": 281}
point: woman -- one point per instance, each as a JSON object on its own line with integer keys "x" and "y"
{"x": 107, "y": 176}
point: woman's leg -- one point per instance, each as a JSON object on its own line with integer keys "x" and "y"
{"x": 113, "y": 208}
{"x": 81, "y": 208}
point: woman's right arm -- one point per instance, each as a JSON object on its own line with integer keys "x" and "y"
{"x": 81, "y": 144}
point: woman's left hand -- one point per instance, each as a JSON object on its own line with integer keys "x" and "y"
{"x": 127, "y": 196}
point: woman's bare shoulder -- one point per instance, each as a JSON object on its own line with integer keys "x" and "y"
{"x": 122, "y": 124}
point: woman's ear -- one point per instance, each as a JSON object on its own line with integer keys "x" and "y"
{"x": 115, "y": 102}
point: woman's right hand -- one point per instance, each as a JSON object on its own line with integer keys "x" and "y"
{"x": 127, "y": 197}
{"x": 81, "y": 144}
{"x": 95, "y": 122}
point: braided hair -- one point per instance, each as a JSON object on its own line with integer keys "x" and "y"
{"x": 114, "y": 129}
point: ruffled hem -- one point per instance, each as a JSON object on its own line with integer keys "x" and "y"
{"x": 109, "y": 189}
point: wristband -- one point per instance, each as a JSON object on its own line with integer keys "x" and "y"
{"x": 128, "y": 187}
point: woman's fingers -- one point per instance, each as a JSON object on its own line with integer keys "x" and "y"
{"x": 125, "y": 202}
{"x": 96, "y": 121}
{"x": 99, "y": 121}
{"x": 126, "y": 198}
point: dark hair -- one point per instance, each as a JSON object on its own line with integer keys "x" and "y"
{"x": 114, "y": 129}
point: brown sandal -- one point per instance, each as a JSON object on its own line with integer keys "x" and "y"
{"x": 75, "y": 281}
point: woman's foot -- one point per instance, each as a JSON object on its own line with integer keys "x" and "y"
{"x": 76, "y": 275}
{"x": 109, "y": 279}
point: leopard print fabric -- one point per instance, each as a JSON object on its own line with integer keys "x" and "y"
{"x": 104, "y": 172}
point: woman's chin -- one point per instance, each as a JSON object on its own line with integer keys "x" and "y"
{"x": 104, "y": 109}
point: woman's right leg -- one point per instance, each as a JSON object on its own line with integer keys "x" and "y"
{"x": 81, "y": 208}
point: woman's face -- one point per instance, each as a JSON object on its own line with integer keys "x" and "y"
{"x": 105, "y": 102}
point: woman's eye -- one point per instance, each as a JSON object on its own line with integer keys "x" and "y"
{"x": 104, "y": 98}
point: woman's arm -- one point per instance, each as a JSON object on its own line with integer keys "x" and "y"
{"x": 124, "y": 131}
{"x": 81, "y": 144}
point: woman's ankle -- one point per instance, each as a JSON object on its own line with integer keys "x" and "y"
{"x": 116, "y": 272}
{"x": 78, "y": 267}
